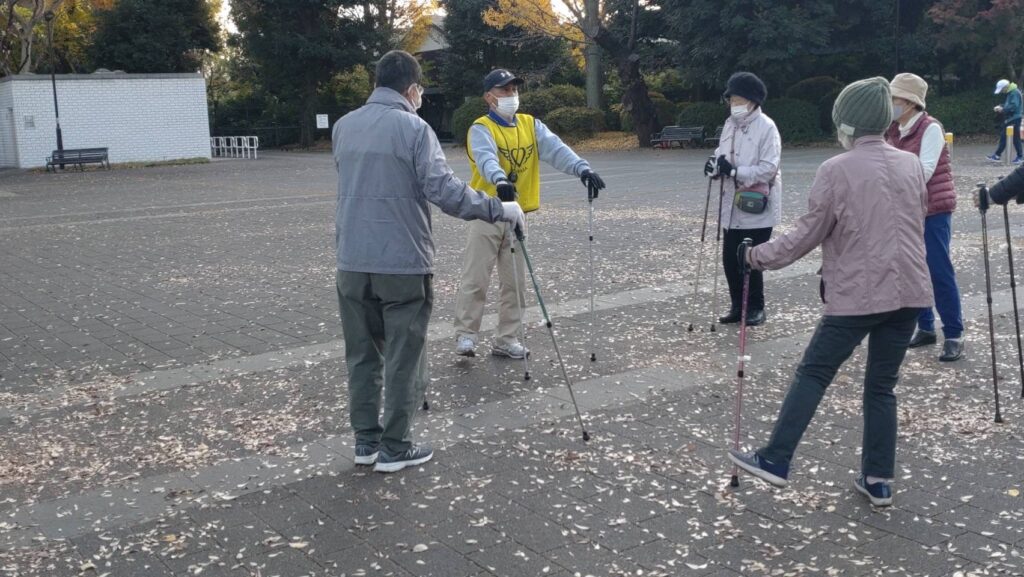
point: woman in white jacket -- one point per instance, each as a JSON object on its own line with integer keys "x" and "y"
{"x": 748, "y": 158}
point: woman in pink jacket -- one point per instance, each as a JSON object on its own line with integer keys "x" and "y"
{"x": 866, "y": 210}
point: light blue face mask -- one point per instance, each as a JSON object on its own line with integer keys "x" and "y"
{"x": 897, "y": 111}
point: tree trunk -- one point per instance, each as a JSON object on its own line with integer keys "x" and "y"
{"x": 635, "y": 99}
{"x": 593, "y": 57}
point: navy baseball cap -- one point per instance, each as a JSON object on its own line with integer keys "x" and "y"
{"x": 500, "y": 77}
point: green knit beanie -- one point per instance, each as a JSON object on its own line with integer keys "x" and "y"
{"x": 863, "y": 108}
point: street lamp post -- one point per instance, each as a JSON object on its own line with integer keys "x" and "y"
{"x": 49, "y": 16}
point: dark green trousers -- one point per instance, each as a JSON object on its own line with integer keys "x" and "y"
{"x": 384, "y": 318}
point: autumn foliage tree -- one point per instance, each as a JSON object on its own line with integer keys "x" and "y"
{"x": 989, "y": 29}
{"x": 538, "y": 15}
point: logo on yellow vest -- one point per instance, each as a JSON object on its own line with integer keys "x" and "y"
{"x": 518, "y": 157}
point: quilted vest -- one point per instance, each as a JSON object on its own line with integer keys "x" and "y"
{"x": 941, "y": 191}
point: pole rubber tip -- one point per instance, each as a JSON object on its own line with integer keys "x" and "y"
{"x": 689, "y": 329}
{"x": 586, "y": 436}
{"x": 713, "y": 327}
{"x": 734, "y": 481}
{"x": 426, "y": 406}
{"x": 527, "y": 377}
{"x": 593, "y": 357}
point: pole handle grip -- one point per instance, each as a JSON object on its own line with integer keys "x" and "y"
{"x": 983, "y": 200}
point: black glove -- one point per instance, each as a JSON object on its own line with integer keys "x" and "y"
{"x": 711, "y": 167}
{"x": 590, "y": 179}
{"x": 741, "y": 255}
{"x": 506, "y": 190}
{"x": 725, "y": 168}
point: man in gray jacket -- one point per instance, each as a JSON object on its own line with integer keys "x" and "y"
{"x": 390, "y": 166}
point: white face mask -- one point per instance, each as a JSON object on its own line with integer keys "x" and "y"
{"x": 737, "y": 111}
{"x": 897, "y": 111}
{"x": 508, "y": 105}
{"x": 845, "y": 140}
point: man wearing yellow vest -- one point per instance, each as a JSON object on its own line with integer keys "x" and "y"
{"x": 505, "y": 150}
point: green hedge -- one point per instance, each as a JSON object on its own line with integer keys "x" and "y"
{"x": 575, "y": 121}
{"x": 814, "y": 89}
{"x": 710, "y": 115}
{"x": 539, "y": 103}
{"x": 797, "y": 120}
{"x": 966, "y": 113}
{"x": 666, "y": 110}
{"x": 464, "y": 116}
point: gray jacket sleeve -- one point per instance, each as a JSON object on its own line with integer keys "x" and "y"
{"x": 442, "y": 188}
{"x": 485, "y": 153}
{"x": 553, "y": 151}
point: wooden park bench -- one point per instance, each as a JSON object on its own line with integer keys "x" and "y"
{"x": 681, "y": 134}
{"x": 714, "y": 140}
{"x": 77, "y": 157}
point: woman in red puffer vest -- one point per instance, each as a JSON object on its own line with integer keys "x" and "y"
{"x": 915, "y": 131}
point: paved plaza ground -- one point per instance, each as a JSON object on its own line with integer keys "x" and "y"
{"x": 173, "y": 401}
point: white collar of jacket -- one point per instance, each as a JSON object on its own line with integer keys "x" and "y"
{"x": 906, "y": 129}
{"x": 388, "y": 97}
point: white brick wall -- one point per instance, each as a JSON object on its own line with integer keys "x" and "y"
{"x": 139, "y": 117}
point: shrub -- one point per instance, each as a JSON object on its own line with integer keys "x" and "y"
{"x": 464, "y": 116}
{"x": 797, "y": 120}
{"x": 710, "y": 115}
{"x": 814, "y": 89}
{"x": 539, "y": 103}
{"x": 575, "y": 121}
{"x": 825, "y": 111}
{"x": 613, "y": 117}
{"x": 966, "y": 113}
{"x": 666, "y": 110}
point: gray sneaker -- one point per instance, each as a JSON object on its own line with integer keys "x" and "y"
{"x": 511, "y": 350}
{"x": 392, "y": 463}
{"x": 465, "y": 347}
{"x": 366, "y": 454}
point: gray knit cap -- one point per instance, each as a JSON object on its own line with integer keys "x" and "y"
{"x": 863, "y": 108}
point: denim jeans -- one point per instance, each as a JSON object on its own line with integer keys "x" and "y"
{"x": 937, "y": 236}
{"x": 833, "y": 342}
{"x": 1016, "y": 137}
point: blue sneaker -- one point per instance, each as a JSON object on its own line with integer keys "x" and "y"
{"x": 1018, "y": 159}
{"x": 757, "y": 466}
{"x": 880, "y": 494}
{"x": 392, "y": 463}
{"x": 367, "y": 454}
{"x": 993, "y": 158}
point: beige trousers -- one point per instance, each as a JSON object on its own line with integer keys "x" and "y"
{"x": 486, "y": 244}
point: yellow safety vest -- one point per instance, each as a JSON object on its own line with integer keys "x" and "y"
{"x": 517, "y": 151}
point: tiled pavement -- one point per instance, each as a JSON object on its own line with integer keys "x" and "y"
{"x": 173, "y": 401}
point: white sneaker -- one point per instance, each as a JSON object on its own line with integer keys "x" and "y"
{"x": 511, "y": 350}
{"x": 465, "y": 347}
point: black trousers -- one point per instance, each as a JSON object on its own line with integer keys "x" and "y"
{"x": 731, "y": 242}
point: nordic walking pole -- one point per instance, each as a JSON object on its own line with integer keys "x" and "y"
{"x": 983, "y": 208}
{"x": 551, "y": 331}
{"x": 718, "y": 250}
{"x": 700, "y": 259}
{"x": 519, "y": 303}
{"x": 591, "y": 195}
{"x": 1013, "y": 290}
{"x": 505, "y": 195}
{"x": 742, "y": 359}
